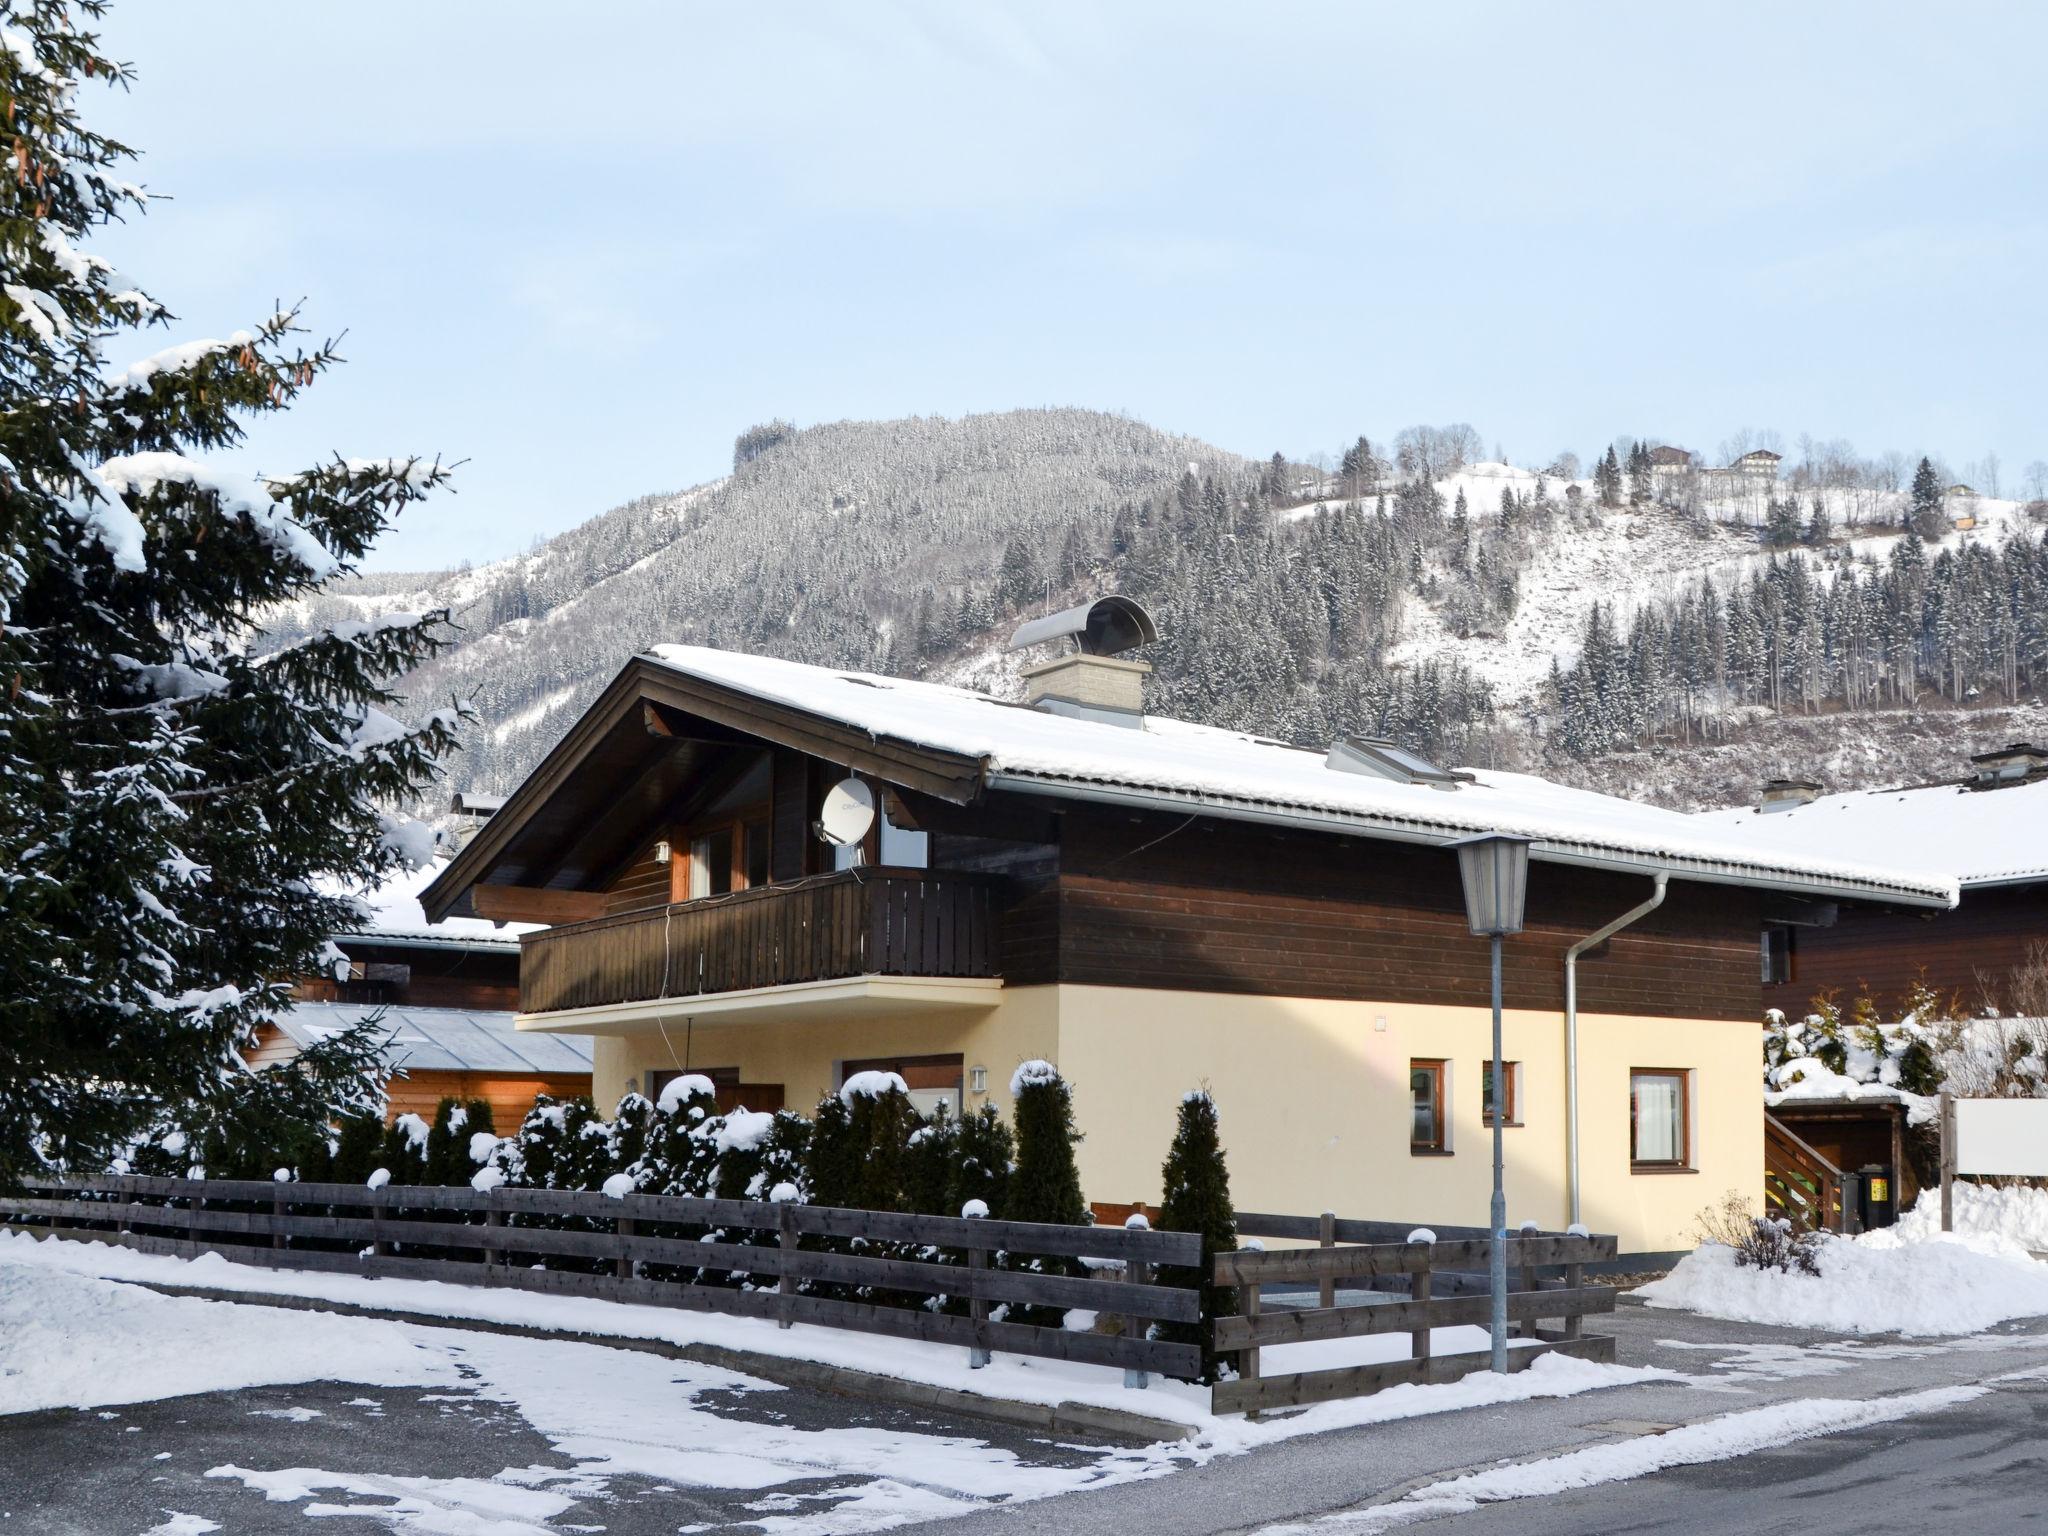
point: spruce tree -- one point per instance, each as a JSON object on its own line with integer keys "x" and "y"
{"x": 174, "y": 805}
{"x": 1925, "y": 517}
{"x": 930, "y": 1165}
{"x": 1196, "y": 1198}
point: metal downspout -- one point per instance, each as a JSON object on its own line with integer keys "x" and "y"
{"x": 1592, "y": 940}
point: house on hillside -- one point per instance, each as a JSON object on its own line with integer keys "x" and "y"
{"x": 1671, "y": 473}
{"x": 1752, "y": 478}
{"x": 1153, "y": 905}
{"x": 448, "y": 992}
{"x": 1986, "y": 829}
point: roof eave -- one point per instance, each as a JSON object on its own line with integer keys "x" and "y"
{"x": 1549, "y": 851}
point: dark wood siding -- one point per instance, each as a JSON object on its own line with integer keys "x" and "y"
{"x": 1884, "y": 952}
{"x": 436, "y": 977}
{"x": 790, "y": 816}
{"x": 642, "y": 883}
{"x": 1157, "y": 901}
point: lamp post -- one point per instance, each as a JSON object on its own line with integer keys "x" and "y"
{"x": 1495, "y": 870}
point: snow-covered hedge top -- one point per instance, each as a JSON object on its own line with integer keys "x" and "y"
{"x": 1175, "y": 761}
{"x": 1032, "y": 1072}
{"x": 689, "y": 1085}
{"x": 871, "y": 1085}
{"x": 742, "y": 1131}
{"x": 415, "y": 1129}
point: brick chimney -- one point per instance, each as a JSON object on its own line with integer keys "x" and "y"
{"x": 1106, "y": 688}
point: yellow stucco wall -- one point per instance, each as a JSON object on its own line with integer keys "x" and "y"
{"x": 1313, "y": 1100}
{"x": 1312, "y": 1094}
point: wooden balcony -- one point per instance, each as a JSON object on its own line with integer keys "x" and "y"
{"x": 867, "y": 922}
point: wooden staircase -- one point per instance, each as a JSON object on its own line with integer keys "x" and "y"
{"x": 1803, "y": 1186}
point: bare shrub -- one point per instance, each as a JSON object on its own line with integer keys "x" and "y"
{"x": 1760, "y": 1242}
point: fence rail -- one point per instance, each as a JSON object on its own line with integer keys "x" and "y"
{"x": 1378, "y": 1255}
{"x": 874, "y": 921}
{"x": 491, "y": 1238}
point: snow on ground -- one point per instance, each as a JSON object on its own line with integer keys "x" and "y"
{"x": 1725, "y": 1438}
{"x": 70, "y": 1341}
{"x": 2017, "y": 1215}
{"x": 1009, "y": 1376}
{"x": 1890, "y": 1281}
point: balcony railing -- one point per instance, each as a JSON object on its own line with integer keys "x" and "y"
{"x": 866, "y": 922}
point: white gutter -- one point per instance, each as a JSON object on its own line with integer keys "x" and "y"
{"x": 1592, "y": 940}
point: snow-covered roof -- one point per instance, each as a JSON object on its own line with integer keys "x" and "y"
{"x": 1172, "y": 764}
{"x": 1972, "y": 836}
{"x": 395, "y": 915}
{"x": 444, "y": 1039}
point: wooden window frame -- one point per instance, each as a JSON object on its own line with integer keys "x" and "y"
{"x": 683, "y": 844}
{"x": 1791, "y": 952}
{"x": 1684, "y": 1161}
{"x": 1440, "y": 1069}
{"x": 1514, "y": 1095}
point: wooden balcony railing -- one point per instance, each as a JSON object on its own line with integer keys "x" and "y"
{"x": 866, "y": 922}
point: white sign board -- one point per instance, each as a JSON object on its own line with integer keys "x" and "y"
{"x": 2002, "y": 1136}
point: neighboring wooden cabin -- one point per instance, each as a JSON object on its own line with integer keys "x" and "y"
{"x": 1153, "y": 905}
{"x": 447, "y": 1053}
{"x": 448, "y": 992}
{"x": 1987, "y": 831}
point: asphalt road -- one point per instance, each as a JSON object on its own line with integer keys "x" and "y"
{"x": 1730, "y": 1367}
{"x": 1975, "y": 1467}
{"x": 1979, "y": 1467}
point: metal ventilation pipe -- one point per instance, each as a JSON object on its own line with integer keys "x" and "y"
{"x": 1592, "y": 940}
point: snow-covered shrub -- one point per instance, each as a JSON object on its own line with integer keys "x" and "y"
{"x": 931, "y": 1165}
{"x": 1829, "y": 1052}
{"x": 1761, "y": 1242}
{"x": 1046, "y": 1183}
{"x": 981, "y": 1170}
{"x": 450, "y": 1157}
{"x": 1196, "y": 1181}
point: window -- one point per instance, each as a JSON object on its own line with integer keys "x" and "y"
{"x": 1777, "y": 955}
{"x": 1659, "y": 1118}
{"x": 754, "y": 836}
{"x": 931, "y": 1080}
{"x": 711, "y": 863}
{"x": 1513, "y": 1090}
{"x": 1426, "y": 1100}
{"x": 904, "y": 847}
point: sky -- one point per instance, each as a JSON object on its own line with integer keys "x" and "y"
{"x": 581, "y": 248}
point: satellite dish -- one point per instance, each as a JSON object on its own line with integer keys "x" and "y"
{"x": 848, "y": 812}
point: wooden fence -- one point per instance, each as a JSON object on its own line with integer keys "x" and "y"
{"x": 1444, "y": 1284}
{"x": 493, "y": 1239}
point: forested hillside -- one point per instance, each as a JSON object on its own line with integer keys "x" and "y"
{"x": 1477, "y": 610}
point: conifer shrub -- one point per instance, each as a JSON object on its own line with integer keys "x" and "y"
{"x": 1045, "y": 1184}
{"x": 356, "y": 1148}
{"x": 1196, "y": 1181}
{"x": 981, "y": 1167}
{"x": 931, "y": 1164}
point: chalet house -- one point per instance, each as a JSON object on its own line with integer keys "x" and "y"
{"x": 1753, "y": 477}
{"x": 448, "y": 992}
{"x": 1153, "y": 905}
{"x": 1670, "y": 469}
{"x": 1987, "y": 830}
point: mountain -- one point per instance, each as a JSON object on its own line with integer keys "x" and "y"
{"x": 1676, "y": 638}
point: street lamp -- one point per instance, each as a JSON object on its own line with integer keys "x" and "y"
{"x": 1495, "y": 870}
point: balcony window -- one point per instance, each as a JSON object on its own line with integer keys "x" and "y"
{"x": 711, "y": 863}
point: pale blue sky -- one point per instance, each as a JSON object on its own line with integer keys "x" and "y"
{"x": 584, "y": 246}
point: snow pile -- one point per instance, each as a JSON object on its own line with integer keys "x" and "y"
{"x": 2017, "y": 1215}
{"x": 69, "y": 1341}
{"x": 745, "y": 1129}
{"x": 1878, "y": 1283}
